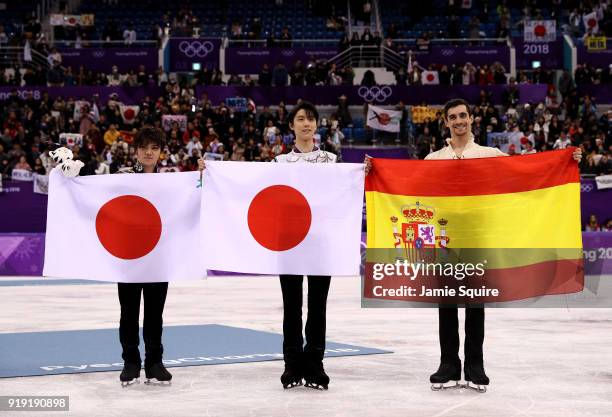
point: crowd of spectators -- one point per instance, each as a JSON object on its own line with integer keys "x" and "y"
{"x": 312, "y": 73}
{"x": 572, "y": 120}
{"x": 30, "y": 128}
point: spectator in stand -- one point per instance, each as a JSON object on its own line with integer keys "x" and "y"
{"x": 284, "y": 40}
{"x": 367, "y": 39}
{"x": 423, "y": 42}
{"x": 129, "y": 35}
{"x": 39, "y": 168}
{"x": 190, "y": 133}
{"x": 280, "y": 76}
{"x": 115, "y": 79}
{"x": 528, "y": 148}
{"x": 562, "y": 142}
{"x": 23, "y": 164}
{"x": 344, "y": 43}
{"x": 54, "y": 57}
{"x": 592, "y": 225}
{"x": 298, "y": 73}
{"x": 111, "y": 135}
{"x": 55, "y": 76}
{"x": 369, "y": 79}
{"x": 265, "y": 76}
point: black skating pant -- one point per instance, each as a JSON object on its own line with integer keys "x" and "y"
{"x": 154, "y": 294}
{"x": 449, "y": 334}
{"x": 293, "y": 342}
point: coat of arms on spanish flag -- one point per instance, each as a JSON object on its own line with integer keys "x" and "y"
{"x": 490, "y": 229}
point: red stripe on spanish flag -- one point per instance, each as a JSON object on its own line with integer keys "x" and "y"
{"x": 463, "y": 177}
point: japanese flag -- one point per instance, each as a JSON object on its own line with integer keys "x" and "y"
{"x": 129, "y": 113}
{"x": 430, "y": 78}
{"x": 71, "y": 139}
{"x": 124, "y": 228}
{"x": 302, "y": 219}
{"x": 382, "y": 119}
{"x": 591, "y": 22}
{"x": 540, "y": 31}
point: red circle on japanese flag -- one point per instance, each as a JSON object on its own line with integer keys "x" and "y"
{"x": 540, "y": 30}
{"x": 384, "y": 119}
{"x": 592, "y": 22}
{"x": 279, "y": 217}
{"x": 128, "y": 227}
{"x": 430, "y": 77}
{"x": 129, "y": 114}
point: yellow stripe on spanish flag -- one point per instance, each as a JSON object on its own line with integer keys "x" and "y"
{"x": 522, "y": 212}
{"x": 544, "y": 218}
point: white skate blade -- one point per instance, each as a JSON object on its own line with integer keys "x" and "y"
{"x": 446, "y": 386}
{"x": 478, "y": 388}
{"x": 125, "y": 384}
{"x": 316, "y": 386}
{"x": 155, "y": 382}
{"x": 292, "y": 385}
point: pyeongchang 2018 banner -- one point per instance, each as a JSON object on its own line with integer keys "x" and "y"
{"x": 473, "y": 231}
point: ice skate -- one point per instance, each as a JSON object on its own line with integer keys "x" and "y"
{"x": 130, "y": 374}
{"x": 315, "y": 375}
{"x": 292, "y": 377}
{"x": 476, "y": 378}
{"x": 446, "y": 377}
{"x": 157, "y": 374}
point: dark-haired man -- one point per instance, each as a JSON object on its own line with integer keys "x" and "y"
{"x": 458, "y": 119}
{"x": 304, "y": 361}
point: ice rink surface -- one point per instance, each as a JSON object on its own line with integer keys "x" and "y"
{"x": 542, "y": 362}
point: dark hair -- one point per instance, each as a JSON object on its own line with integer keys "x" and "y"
{"x": 454, "y": 103}
{"x": 150, "y": 134}
{"x": 309, "y": 108}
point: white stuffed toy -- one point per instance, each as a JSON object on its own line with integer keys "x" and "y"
{"x": 71, "y": 168}
{"x": 61, "y": 155}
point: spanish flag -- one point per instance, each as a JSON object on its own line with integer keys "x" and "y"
{"x": 504, "y": 228}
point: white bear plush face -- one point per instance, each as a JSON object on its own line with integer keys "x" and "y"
{"x": 61, "y": 155}
{"x": 71, "y": 168}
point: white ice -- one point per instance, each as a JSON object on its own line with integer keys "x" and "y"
{"x": 542, "y": 362}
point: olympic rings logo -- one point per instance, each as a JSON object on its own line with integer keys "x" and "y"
{"x": 586, "y": 188}
{"x": 378, "y": 94}
{"x": 448, "y": 52}
{"x": 98, "y": 54}
{"x": 287, "y": 52}
{"x": 196, "y": 48}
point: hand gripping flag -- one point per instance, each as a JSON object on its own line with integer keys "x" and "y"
{"x": 302, "y": 219}
{"x": 124, "y": 228}
{"x": 517, "y": 217}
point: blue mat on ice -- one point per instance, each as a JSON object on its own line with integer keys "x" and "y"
{"x": 78, "y": 351}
